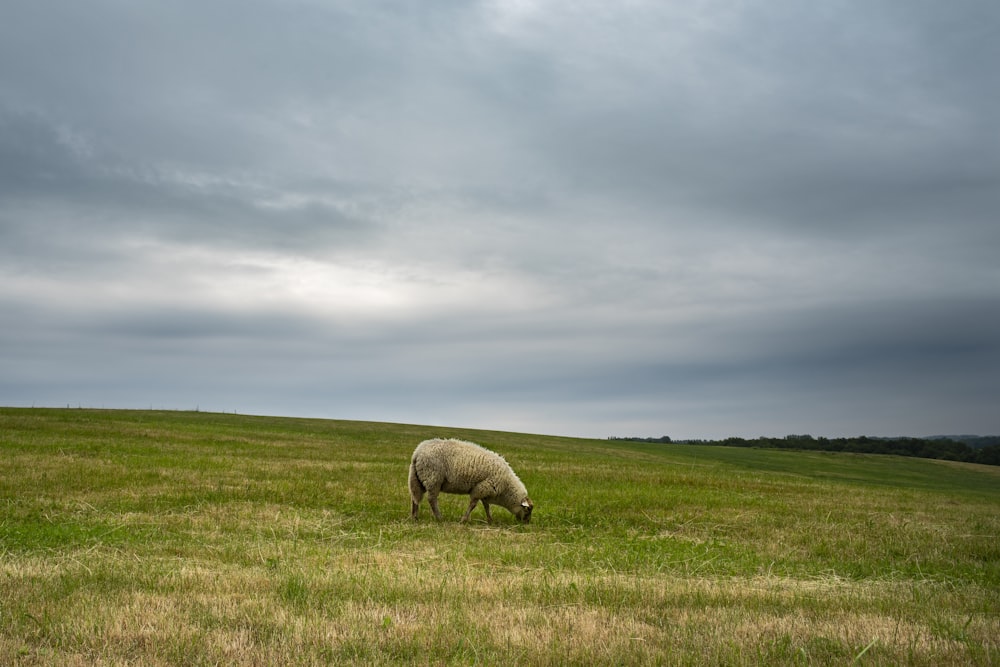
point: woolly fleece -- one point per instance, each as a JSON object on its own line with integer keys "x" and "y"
{"x": 457, "y": 466}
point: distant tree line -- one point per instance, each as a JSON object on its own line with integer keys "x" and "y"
{"x": 971, "y": 449}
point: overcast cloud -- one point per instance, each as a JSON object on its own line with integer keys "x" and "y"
{"x": 698, "y": 219}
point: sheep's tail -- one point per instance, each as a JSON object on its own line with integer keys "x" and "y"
{"x": 415, "y": 478}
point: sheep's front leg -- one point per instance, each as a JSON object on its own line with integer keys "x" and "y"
{"x": 486, "y": 506}
{"x": 468, "y": 512}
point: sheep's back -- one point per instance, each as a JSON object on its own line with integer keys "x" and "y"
{"x": 459, "y": 465}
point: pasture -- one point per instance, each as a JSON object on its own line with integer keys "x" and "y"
{"x": 186, "y": 538}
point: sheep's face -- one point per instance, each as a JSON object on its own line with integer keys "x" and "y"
{"x": 523, "y": 513}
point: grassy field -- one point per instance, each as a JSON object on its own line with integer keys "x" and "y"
{"x": 173, "y": 538}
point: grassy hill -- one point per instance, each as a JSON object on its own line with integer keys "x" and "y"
{"x": 180, "y": 538}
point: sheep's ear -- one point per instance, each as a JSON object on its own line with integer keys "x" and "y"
{"x": 525, "y": 504}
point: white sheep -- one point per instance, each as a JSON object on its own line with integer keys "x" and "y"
{"x": 456, "y": 466}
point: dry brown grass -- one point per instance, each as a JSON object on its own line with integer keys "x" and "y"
{"x": 383, "y": 606}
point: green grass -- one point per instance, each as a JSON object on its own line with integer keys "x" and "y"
{"x": 173, "y": 538}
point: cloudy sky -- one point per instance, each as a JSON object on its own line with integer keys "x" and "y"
{"x": 695, "y": 219}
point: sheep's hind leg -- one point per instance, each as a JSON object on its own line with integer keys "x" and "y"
{"x": 432, "y": 500}
{"x": 416, "y": 495}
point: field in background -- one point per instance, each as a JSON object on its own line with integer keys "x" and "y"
{"x": 178, "y": 538}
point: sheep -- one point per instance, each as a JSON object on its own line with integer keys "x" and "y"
{"x": 457, "y": 466}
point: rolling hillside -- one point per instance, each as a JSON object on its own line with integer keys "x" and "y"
{"x": 180, "y": 538}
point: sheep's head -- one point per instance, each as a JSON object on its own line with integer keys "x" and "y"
{"x": 523, "y": 512}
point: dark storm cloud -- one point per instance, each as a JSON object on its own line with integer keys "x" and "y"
{"x": 584, "y": 218}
